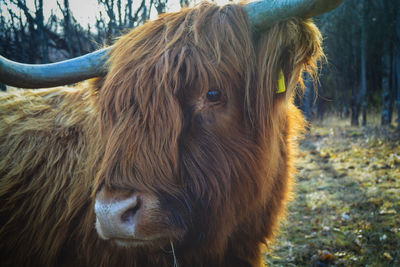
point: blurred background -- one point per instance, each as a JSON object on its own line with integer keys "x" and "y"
{"x": 347, "y": 195}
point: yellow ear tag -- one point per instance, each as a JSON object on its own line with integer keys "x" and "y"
{"x": 281, "y": 83}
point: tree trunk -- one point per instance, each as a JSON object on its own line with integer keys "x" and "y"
{"x": 78, "y": 36}
{"x": 398, "y": 87}
{"x": 353, "y": 83}
{"x": 363, "y": 89}
{"x": 346, "y": 103}
{"x": 308, "y": 98}
{"x": 44, "y": 49}
{"x": 396, "y": 59}
{"x": 130, "y": 18}
{"x": 397, "y": 65}
{"x": 355, "y": 107}
{"x": 22, "y": 38}
{"x": 67, "y": 28}
{"x": 119, "y": 10}
{"x": 392, "y": 83}
{"x": 386, "y": 91}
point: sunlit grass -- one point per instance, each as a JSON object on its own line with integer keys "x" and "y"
{"x": 347, "y": 205}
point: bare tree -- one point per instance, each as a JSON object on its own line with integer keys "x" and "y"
{"x": 397, "y": 65}
{"x": 67, "y": 26}
{"x": 43, "y": 43}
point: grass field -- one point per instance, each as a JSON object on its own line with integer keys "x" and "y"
{"x": 346, "y": 206}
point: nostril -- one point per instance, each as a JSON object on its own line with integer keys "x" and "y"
{"x": 129, "y": 214}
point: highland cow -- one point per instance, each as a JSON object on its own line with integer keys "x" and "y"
{"x": 179, "y": 153}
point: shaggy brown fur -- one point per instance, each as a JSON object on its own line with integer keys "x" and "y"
{"x": 220, "y": 170}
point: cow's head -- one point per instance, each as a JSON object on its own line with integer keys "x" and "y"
{"x": 181, "y": 150}
{"x": 191, "y": 121}
{"x": 186, "y": 107}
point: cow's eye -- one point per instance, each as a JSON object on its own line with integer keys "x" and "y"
{"x": 213, "y": 95}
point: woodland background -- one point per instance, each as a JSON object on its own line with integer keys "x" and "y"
{"x": 347, "y": 196}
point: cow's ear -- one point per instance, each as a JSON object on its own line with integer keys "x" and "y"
{"x": 289, "y": 48}
{"x": 292, "y": 46}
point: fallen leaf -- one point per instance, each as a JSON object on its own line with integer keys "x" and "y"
{"x": 387, "y": 255}
{"x": 326, "y": 256}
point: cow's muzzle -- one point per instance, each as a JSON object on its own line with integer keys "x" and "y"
{"x": 126, "y": 218}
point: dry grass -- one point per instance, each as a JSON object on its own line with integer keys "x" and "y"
{"x": 347, "y": 205}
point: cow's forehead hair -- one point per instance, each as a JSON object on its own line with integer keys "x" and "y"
{"x": 149, "y": 67}
{"x": 208, "y": 45}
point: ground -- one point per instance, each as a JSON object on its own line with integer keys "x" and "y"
{"x": 346, "y": 205}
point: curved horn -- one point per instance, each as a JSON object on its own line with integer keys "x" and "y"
{"x": 54, "y": 74}
{"x": 263, "y": 14}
